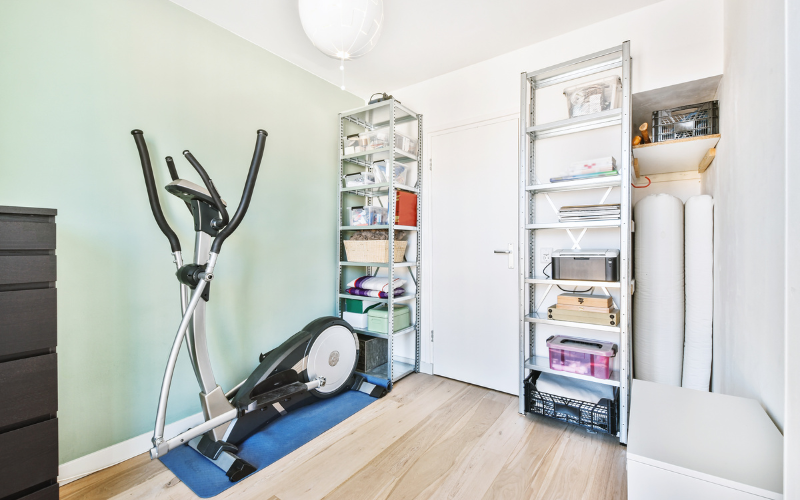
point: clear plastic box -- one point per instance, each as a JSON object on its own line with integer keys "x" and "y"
{"x": 359, "y": 216}
{"x": 581, "y": 356}
{"x": 400, "y": 172}
{"x": 594, "y": 97}
{"x": 380, "y": 139}
{"x": 379, "y": 216}
{"x": 353, "y": 144}
{"x": 369, "y": 216}
{"x": 359, "y": 179}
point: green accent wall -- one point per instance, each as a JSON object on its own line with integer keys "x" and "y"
{"x": 75, "y": 78}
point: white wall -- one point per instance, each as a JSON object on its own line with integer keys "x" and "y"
{"x": 491, "y": 88}
{"x": 792, "y": 421}
{"x": 747, "y": 182}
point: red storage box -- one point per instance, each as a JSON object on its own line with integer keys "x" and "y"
{"x": 581, "y": 356}
{"x": 405, "y": 211}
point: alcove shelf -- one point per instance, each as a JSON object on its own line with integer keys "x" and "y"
{"x": 679, "y": 155}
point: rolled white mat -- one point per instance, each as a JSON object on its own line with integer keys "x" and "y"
{"x": 658, "y": 299}
{"x": 699, "y": 262}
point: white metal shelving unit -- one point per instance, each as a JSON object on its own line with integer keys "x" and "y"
{"x": 362, "y": 119}
{"x": 529, "y": 297}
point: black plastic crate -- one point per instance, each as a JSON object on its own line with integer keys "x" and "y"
{"x": 599, "y": 417}
{"x": 693, "y": 120}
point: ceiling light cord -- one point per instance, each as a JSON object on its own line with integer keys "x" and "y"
{"x": 341, "y": 67}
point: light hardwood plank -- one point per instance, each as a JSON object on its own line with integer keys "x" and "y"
{"x": 516, "y": 479}
{"x": 117, "y": 478}
{"x": 426, "y": 472}
{"x": 361, "y": 445}
{"x": 472, "y": 476}
{"x": 431, "y": 437}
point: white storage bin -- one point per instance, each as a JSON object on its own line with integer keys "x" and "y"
{"x": 594, "y": 97}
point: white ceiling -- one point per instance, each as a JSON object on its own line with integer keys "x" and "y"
{"x": 421, "y": 38}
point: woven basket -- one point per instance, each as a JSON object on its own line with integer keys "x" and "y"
{"x": 373, "y": 250}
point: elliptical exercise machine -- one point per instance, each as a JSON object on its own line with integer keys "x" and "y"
{"x": 316, "y": 363}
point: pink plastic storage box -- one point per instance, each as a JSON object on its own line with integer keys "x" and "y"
{"x": 581, "y": 356}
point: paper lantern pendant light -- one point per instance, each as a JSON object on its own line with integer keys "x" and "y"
{"x": 342, "y": 29}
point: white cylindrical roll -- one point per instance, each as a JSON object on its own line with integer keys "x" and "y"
{"x": 658, "y": 299}
{"x": 699, "y": 255}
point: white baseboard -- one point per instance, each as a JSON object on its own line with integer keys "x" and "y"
{"x": 120, "y": 452}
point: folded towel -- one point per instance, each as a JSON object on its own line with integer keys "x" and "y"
{"x": 373, "y": 293}
{"x": 379, "y": 283}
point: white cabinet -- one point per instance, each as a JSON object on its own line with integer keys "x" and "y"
{"x": 691, "y": 444}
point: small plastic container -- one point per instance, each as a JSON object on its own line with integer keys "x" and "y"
{"x": 359, "y": 216}
{"x": 374, "y": 140}
{"x": 581, "y": 356}
{"x": 406, "y": 144}
{"x": 359, "y": 179}
{"x": 400, "y": 172}
{"x": 369, "y": 216}
{"x": 353, "y": 144}
{"x": 594, "y": 97}
{"x": 380, "y": 139}
{"x": 378, "y": 216}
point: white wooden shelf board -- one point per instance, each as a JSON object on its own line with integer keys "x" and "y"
{"x": 679, "y": 155}
{"x": 542, "y": 364}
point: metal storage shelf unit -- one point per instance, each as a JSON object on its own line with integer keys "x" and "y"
{"x": 361, "y": 118}
{"x": 530, "y": 133}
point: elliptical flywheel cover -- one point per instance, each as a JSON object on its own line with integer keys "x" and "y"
{"x": 332, "y": 355}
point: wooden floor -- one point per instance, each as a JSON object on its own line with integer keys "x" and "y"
{"x": 431, "y": 437}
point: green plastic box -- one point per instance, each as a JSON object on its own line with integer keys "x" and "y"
{"x": 378, "y": 318}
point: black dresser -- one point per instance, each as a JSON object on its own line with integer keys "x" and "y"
{"x": 28, "y": 374}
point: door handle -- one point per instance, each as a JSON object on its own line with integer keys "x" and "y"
{"x": 510, "y": 253}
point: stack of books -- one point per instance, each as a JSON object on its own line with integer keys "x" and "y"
{"x": 584, "y": 308}
{"x": 589, "y": 169}
{"x": 582, "y": 213}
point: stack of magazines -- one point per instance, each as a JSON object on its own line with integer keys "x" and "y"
{"x": 583, "y": 213}
{"x": 589, "y": 169}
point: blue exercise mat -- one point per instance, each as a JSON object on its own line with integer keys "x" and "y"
{"x": 272, "y": 443}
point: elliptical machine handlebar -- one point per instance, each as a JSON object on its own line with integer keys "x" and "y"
{"x": 247, "y": 194}
{"x": 216, "y": 223}
{"x": 150, "y": 182}
{"x": 227, "y": 225}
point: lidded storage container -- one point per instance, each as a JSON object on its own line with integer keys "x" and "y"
{"x": 378, "y": 318}
{"x": 594, "y": 97}
{"x": 581, "y": 356}
{"x": 380, "y": 139}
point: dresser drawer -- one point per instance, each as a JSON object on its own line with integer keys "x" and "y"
{"x": 28, "y": 321}
{"x": 28, "y": 456}
{"x": 28, "y": 389}
{"x": 17, "y": 269}
{"x": 27, "y": 235}
{"x": 46, "y": 493}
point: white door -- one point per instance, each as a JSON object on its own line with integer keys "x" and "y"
{"x": 474, "y": 292}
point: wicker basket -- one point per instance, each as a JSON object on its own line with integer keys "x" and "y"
{"x": 373, "y": 250}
